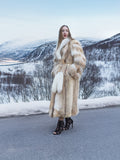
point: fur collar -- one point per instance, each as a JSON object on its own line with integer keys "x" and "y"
{"x": 63, "y": 43}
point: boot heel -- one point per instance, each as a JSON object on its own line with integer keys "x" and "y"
{"x": 72, "y": 124}
{"x": 69, "y": 122}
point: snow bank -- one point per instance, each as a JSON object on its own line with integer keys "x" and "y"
{"x": 99, "y": 102}
{"x": 38, "y": 107}
{"x": 24, "y": 108}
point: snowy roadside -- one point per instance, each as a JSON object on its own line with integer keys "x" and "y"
{"x": 38, "y": 107}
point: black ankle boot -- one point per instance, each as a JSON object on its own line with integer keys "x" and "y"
{"x": 69, "y": 121}
{"x": 59, "y": 128}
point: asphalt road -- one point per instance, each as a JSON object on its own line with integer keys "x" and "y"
{"x": 95, "y": 136}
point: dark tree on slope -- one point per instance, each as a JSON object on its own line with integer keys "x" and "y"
{"x": 90, "y": 79}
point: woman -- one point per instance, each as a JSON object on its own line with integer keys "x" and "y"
{"x": 69, "y": 62}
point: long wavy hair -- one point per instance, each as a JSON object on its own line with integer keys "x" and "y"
{"x": 60, "y": 38}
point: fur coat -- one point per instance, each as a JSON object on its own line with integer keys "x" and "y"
{"x": 69, "y": 63}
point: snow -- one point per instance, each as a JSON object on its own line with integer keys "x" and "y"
{"x": 27, "y": 67}
{"x": 16, "y": 44}
{"x": 40, "y": 107}
{"x": 23, "y": 108}
{"x": 99, "y": 102}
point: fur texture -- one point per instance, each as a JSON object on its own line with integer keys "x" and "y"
{"x": 57, "y": 83}
{"x": 69, "y": 63}
{"x": 63, "y": 43}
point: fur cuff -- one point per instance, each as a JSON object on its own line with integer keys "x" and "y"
{"x": 72, "y": 71}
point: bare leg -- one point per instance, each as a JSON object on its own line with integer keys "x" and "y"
{"x": 61, "y": 118}
{"x": 68, "y": 121}
{"x": 60, "y": 125}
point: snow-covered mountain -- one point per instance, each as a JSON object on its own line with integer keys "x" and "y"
{"x": 105, "y": 55}
{"x": 106, "y": 50}
{"x": 31, "y": 80}
{"x": 30, "y": 51}
{"x": 45, "y": 51}
{"x": 17, "y": 49}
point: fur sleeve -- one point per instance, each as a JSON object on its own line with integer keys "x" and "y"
{"x": 79, "y": 59}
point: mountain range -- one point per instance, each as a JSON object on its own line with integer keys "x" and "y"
{"x": 31, "y": 79}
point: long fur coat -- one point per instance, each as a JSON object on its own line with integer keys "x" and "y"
{"x": 69, "y": 63}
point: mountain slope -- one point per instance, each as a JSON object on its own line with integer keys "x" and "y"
{"x": 31, "y": 80}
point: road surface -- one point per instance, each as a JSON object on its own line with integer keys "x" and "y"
{"x": 95, "y": 136}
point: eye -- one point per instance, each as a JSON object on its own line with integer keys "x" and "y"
{"x": 65, "y": 30}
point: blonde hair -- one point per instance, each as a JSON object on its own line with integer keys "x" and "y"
{"x": 60, "y": 38}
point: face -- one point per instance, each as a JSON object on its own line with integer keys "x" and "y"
{"x": 65, "y": 32}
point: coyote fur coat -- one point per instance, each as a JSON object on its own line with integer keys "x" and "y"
{"x": 69, "y": 63}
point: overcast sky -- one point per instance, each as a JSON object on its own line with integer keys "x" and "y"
{"x": 41, "y": 19}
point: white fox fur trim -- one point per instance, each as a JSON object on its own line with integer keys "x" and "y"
{"x": 75, "y": 52}
{"x": 57, "y": 82}
{"x": 63, "y": 43}
{"x": 76, "y": 45}
{"x": 58, "y": 101}
{"x": 73, "y": 66}
{"x": 58, "y": 54}
{"x": 79, "y": 59}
